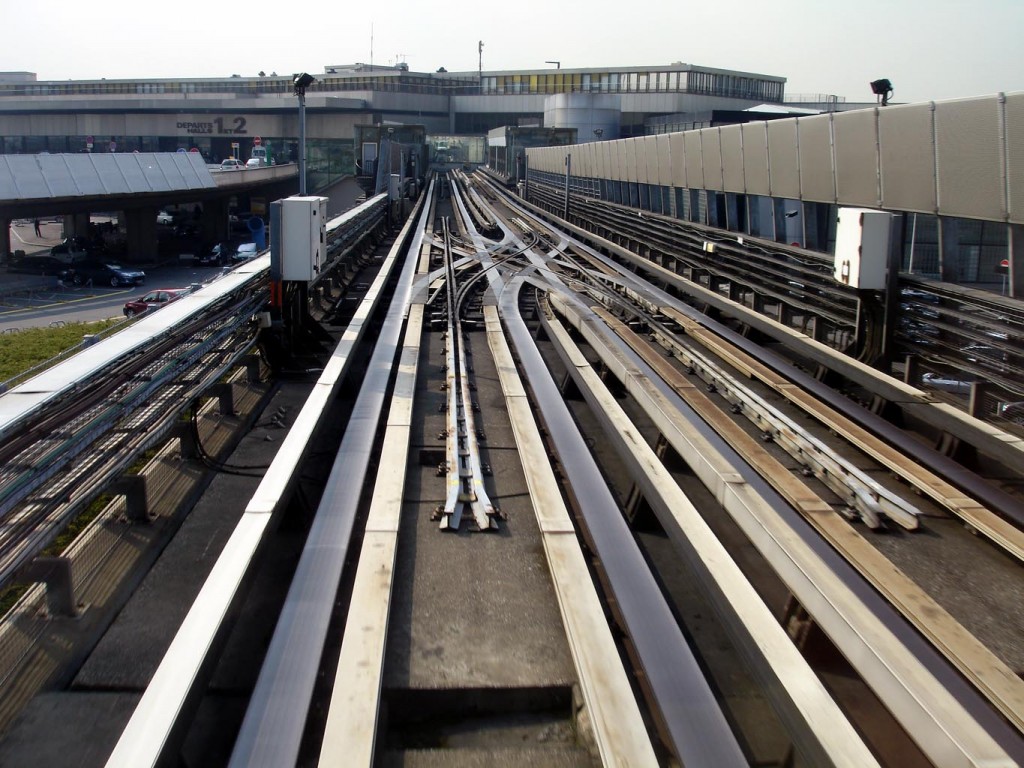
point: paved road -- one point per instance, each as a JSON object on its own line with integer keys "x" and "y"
{"x": 27, "y": 301}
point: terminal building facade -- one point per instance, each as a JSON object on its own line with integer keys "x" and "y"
{"x": 222, "y": 117}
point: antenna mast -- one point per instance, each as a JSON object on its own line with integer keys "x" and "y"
{"x": 480, "y": 49}
{"x": 371, "y": 46}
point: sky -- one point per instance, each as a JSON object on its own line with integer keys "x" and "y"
{"x": 929, "y": 49}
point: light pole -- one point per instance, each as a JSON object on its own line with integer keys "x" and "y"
{"x": 301, "y": 82}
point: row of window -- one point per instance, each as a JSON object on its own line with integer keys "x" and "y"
{"x": 716, "y": 84}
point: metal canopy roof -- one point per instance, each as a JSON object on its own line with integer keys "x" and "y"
{"x": 46, "y": 177}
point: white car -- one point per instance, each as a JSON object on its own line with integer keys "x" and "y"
{"x": 254, "y": 162}
{"x": 947, "y": 383}
{"x": 231, "y": 164}
{"x": 245, "y": 252}
{"x": 164, "y": 218}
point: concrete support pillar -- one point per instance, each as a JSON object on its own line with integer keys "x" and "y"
{"x": 141, "y": 235}
{"x": 733, "y": 218}
{"x": 78, "y": 224}
{"x": 136, "y": 497}
{"x": 5, "y": 240}
{"x": 213, "y": 226}
{"x": 949, "y": 249}
{"x": 55, "y": 572}
{"x": 1015, "y": 253}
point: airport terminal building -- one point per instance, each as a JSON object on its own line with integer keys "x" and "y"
{"x": 222, "y": 117}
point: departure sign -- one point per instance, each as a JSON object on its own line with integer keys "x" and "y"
{"x": 219, "y": 126}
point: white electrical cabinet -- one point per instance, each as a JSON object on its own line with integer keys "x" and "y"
{"x": 303, "y": 237}
{"x": 863, "y": 240}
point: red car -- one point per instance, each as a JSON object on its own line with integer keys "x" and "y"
{"x": 153, "y": 300}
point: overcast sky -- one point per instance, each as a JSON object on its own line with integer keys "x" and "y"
{"x": 929, "y": 49}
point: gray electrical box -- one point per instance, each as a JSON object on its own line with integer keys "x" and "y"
{"x": 303, "y": 237}
{"x": 863, "y": 240}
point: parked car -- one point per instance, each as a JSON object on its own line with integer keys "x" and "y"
{"x": 71, "y": 248}
{"x": 104, "y": 273}
{"x": 231, "y": 164}
{"x": 37, "y": 265}
{"x": 153, "y": 300}
{"x": 255, "y": 162}
{"x": 165, "y": 218}
{"x": 946, "y": 383}
{"x": 213, "y": 256}
{"x": 245, "y": 252}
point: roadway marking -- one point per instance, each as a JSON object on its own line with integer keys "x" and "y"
{"x": 34, "y": 307}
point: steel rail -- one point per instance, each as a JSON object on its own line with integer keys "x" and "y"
{"x": 465, "y": 486}
{"x": 725, "y": 262}
{"x": 945, "y": 716}
{"x": 613, "y": 713}
{"x": 977, "y": 663}
{"x": 695, "y": 726}
{"x": 97, "y": 438}
{"x": 817, "y": 725}
{"x": 869, "y": 498}
{"x": 350, "y": 733}
{"x": 986, "y": 438}
{"x": 163, "y": 715}
{"x": 861, "y": 493}
{"x": 275, "y": 719}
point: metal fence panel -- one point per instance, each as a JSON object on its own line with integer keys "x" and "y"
{"x": 664, "y": 160}
{"x": 694, "y": 163}
{"x": 907, "y": 157}
{"x": 755, "y": 158}
{"x": 856, "y": 152}
{"x": 1014, "y": 111}
{"x": 677, "y": 146}
{"x": 732, "y": 158}
{"x": 969, "y": 160}
{"x": 782, "y": 158}
{"x": 618, "y": 151}
{"x": 817, "y": 177}
{"x": 711, "y": 146}
{"x": 630, "y": 161}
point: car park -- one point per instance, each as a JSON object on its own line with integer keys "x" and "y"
{"x": 153, "y": 300}
{"x": 99, "y": 272}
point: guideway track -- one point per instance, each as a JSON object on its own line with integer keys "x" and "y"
{"x": 645, "y": 692}
{"x": 1010, "y": 697}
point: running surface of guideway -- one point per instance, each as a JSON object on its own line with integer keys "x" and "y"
{"x": 512, "y": 530}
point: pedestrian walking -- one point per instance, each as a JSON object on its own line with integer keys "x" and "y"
{"x": 35, "y": 225}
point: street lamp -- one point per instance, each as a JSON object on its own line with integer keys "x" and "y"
{"x": 301, "y": 82}
{"x": 883, "y": 89}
